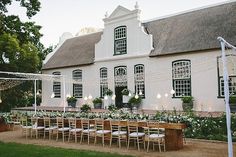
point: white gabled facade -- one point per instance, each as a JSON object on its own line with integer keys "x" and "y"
{"x": 158, "y": 77}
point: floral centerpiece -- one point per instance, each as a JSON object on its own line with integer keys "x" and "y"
{"x": 85, "y": 108}
{"x": 187, "y": 102}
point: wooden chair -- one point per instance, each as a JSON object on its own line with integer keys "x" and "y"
{"x": 49, "y": 127}
{"x": 117, "y": 132}
{"x": 37, "y": 129}
{"x": 75, "y": 129}
{"x": 134, "y": 134}
{"x": 100, "y": 131}
{"x": 87, "y": 130}
{"x": 25, "y": 126}
{"x": 155, "y": 135}
{"x": 62, "y": 129}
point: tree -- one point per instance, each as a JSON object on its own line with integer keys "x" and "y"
{"x": 20, "y": 49}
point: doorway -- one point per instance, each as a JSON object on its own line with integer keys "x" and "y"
{"x": 119, "y": 96}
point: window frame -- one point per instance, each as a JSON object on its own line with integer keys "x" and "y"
{"x": 175, "y": 79}
{"x": 135, "y": 84}
{"x": 103, "y": 84}
{"x": 219, "y": 77}
{"x": 55, "y": 85}
{"x": 77, "y": 72}
{"x": 74, "y": 84}
{"x": 120, "y": 39}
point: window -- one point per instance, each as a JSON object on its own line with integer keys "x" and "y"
{"x": 103, "y": 81}
{"x": 77, "y": 75}
{"x": 77, "y": 83}
{"x": 57, "y": 85}
{"x": 181, "y": 76}
{"x": 139, "y": 80}
{"x": 120, "y": 44}
{"x": 231, "y": 67}
{"x": 78, "y": 90}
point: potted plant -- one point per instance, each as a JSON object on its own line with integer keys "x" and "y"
{"x": 71, "y": 101}
{"x": 97, "y": 102}
{"x": 108, "y": 92}
{"x": 125, "y": 92}
{"x": 85, "y": 108}
{"x": 134, "y": 102}
{"x": 187, "y": 103}
{"x": 232, "y": 103}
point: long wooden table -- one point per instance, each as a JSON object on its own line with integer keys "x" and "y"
{"x": 173, "y": 131}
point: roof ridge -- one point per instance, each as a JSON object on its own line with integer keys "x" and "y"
{"x": 188, "y": 11}
{"x": 83, "y": 35}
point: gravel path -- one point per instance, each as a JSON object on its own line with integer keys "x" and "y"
{"x": 193, "y": 148}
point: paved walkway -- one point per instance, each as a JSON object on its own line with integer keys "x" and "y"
{"x": 193, "y": 148}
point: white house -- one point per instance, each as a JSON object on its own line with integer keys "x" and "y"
{"x": 179, "y": 52}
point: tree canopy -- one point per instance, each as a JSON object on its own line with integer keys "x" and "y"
{"x": 20, "y": 48}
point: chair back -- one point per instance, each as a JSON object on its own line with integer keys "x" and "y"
{"x": 132, "y": 126}
{"x": 153, "y": 128}
{"x": 99, "y": 124}
{"x": 24, "y": 121}
{"x": 72, "y": 123}
{"x": 85, "y": 124}
{"x": 115, "y": 125}
{"x": 47, "y": 122}
{"x": 34, "y": 122}
{"x": 60, "y": 122}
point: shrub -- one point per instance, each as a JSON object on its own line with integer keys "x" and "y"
{"x": 97, "y": 101}
{"x": 71, "y": 99}
{"x": 85, "y": 108}
{"x": 108, "y": 92}
{"x": 125, "y": 91}
{"x": 135, "y": 101}
{"x": 232, "y": 99}
{"x": 187, "y": 99}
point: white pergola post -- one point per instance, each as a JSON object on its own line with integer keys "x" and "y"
{"x": 35, "y": 95}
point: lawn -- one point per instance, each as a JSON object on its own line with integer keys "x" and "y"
{"x": 23, "y": 150}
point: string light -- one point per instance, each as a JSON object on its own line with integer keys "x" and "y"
{"x": 68, "y": 95}
{"x": 140, "y": 92}
{"x": 129, "y": 94}
{"x": 113, "y": 97}
{"x": 85, "y": 98}
{"x": 166, "y": 95}
{"x": 90, "y": 97}
{"x": 105, "y": 97}
{"x": 0, "y": 97}
{"x": 158, "y": 96}
{"x": 136, "y": 96}
{"x": 53, "y": 95}
{"x": 172, "y": 91}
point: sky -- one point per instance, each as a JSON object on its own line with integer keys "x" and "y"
{"x": 59, "y": 16}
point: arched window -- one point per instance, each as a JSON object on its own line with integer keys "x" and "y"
{"x": 231, "y": 66}
{"x": 181, "y": 77}
{"x": 103, "y": 81}
{"x": 77, "y": 85}
{"x": 139, "y": 79}
{"x": 77, "y": 74}
{"x": 120, "y": 43}
{"x": 56, "y": 85}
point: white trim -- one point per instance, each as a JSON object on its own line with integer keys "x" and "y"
{"x": 120, "y": 57}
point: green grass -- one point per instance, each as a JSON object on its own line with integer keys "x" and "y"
{"x": 23, "y": 150}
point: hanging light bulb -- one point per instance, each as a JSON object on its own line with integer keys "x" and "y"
{"x": 166, "y": 95}
{"x": 105, "y": 97}
{"x": 68, "y": 95}
{"x": 53, "y": 95}
{"x": 90, "y": 97}
{"x": 37, "y": 92}
{"x": 136, "y": 96}
{"x": 172, "y": 91}
{"x": 0, "y": 100}
{"x": 158, "y": 96}
{"x": 0, "y": 97}
{"x": 129, "y": 94}
{"x": 113, "y": 97}
{"x": 85, "y": 98}
{"x": 140, "y": 92}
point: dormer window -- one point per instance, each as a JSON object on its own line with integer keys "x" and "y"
{"x": 120, "y": 43}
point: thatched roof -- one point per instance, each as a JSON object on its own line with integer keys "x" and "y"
{"x": 74, "y": 52}
{"x": 193, "y": 31}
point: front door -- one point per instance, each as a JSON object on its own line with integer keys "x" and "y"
{"x": 120, "y": 76}
{"x": 119, "y": 96}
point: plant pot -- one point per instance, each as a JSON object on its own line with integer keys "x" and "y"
{"x": 98, "y": 106}
{"x": 187, "y": 106}
{"x": 232, "y": 107}
{"x": 72, "y": 104}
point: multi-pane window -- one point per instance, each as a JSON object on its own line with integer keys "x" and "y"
{"x": 77, "y": 83}
{"x": 120, "y": 43}
{"x": 78, "y": 90}
{"x": 57, "y": 85}
{"x": 103, "y": 81}
{"x": 231, "y": 67}
{"x": 139, "y": 80}
{"x": 77, "y": 74}
{"x": 181, "y": 76}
